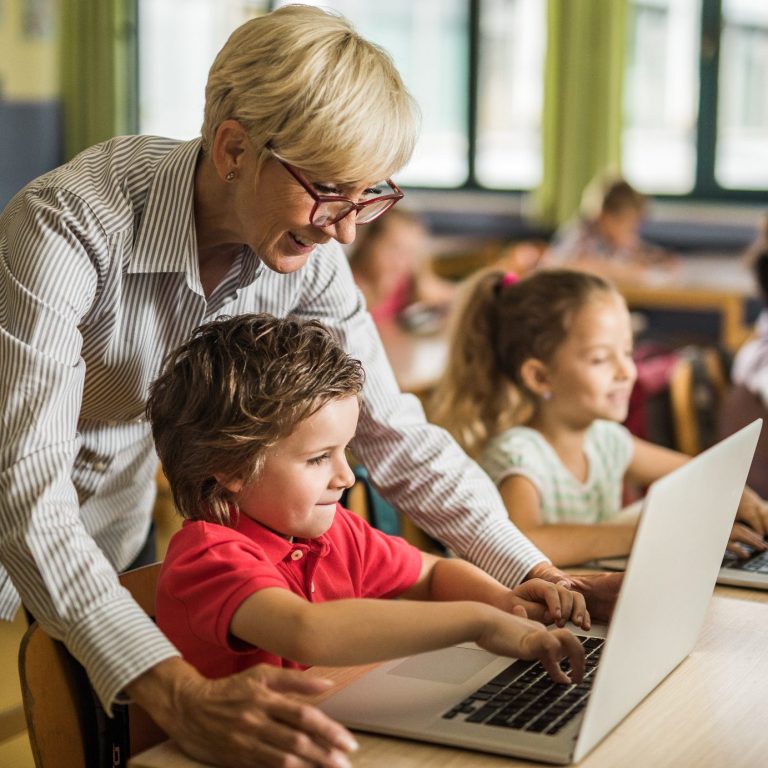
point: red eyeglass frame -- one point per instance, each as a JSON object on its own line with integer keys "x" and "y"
{"x": 319, "y": 199}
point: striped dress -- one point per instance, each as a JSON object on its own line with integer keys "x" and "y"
{"x": 98, "y": 281}
{"x": 523, "y": 451}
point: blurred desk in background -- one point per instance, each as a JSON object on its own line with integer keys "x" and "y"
{"x": 704, "y": 283}
{"x": 417, "y": 359}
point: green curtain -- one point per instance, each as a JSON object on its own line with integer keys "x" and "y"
{"x": 99, "y": 71}
{"x": 581, "y": 123}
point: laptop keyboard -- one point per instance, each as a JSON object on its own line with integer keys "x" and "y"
{"x": 756, "y": 563}
{"x": 523, "y": 697}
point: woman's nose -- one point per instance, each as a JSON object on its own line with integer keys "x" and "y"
{"x": 344, "y": 231}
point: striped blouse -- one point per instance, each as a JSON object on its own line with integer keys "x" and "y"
{"x": 98, "y": 281}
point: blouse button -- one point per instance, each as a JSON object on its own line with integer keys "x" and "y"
{"x": 297, "y": 554}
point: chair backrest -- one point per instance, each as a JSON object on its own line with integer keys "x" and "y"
{"x": 696, "y": 388}
{"x": 62, "y": 720}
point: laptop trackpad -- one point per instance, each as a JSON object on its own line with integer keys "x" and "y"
{"x": 449, "y": 665}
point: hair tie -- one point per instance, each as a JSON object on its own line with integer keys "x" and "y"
{"x": 509, "y": 278}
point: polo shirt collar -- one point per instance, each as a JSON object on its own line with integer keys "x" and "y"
{"x": 275, "y": 547}
{"x": 166, "y": 240}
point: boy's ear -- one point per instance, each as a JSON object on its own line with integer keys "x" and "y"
{"x": 535, "y": 375}
{"x": 233, "y": 485}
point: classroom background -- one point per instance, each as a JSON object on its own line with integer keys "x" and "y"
{"x": 523, "y": 102}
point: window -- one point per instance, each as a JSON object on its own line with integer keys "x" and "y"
{"x": 172, "y": 76}
{"x": 741, "y": 154}
{"x": 493, "y": 140}
{"x": 695, "y": 113}
{"x": 510, "y": 92}
{"x": 661, "y": 95}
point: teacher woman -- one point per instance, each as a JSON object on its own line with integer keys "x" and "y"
{"x": 109, "y": 262}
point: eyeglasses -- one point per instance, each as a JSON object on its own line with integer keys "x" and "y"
{"x": 330, "y": 209}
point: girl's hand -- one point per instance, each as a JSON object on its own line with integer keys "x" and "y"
{"x": 548, "y": 603}
{"x": 741, "y": 535}
{"x": 753, "y": 511}
{"x": 525, "y": 639}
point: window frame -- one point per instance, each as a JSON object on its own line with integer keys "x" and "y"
{"x": 706, "y": 187}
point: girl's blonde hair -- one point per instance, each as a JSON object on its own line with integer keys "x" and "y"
{"x": 500, "y": 324}
{"x": 303, "y": 82}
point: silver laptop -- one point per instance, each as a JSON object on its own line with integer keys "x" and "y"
{"x": 452, "y": 696}
{"x": 734, "y": 572}
{"x": 751, "y": 572}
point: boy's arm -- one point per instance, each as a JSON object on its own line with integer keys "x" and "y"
{"x": 360, "y": 631}
{"x": 455, "y": 579}
{"x": 563, "y": 543}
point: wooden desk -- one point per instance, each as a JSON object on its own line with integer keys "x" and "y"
{"x": 708, "y": 713}
{"x": 714, "y": 283}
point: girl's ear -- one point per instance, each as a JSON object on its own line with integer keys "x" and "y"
{"x": 535, "y": 376}
{"x": 233, "y": 485}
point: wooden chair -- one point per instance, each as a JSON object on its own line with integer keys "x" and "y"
{"x": 696, "y": 388}
{"x": 58, "y": 700}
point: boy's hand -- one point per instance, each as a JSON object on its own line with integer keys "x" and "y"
{"x": 525, "y": 639}
{"x": 600, "y": 590}
{"x": 548, "y": 603}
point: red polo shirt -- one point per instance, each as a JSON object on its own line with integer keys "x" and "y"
{"x": 210, "y": 569}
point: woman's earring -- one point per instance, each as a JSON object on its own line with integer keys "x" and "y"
{"x": 546, "y": 395}
{"x": 231, "y": 176}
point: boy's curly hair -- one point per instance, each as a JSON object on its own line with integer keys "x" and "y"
{"x": 230, "y": 393}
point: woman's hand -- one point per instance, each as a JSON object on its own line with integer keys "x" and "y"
{"x": 245, "y": 719}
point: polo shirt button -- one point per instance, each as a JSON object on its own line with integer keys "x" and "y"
{"x": 297, "y": 554}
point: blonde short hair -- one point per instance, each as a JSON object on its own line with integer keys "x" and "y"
{"x": 328, "y": 101}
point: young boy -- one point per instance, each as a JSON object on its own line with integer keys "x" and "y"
{"x": 251, "y": 419}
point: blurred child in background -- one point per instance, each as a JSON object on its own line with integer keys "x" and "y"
{"x": 750, "y": 366}
{"x": 539, "y": 378}
{"x": 390, "y": 264}
{"x": 606, "y": 238}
